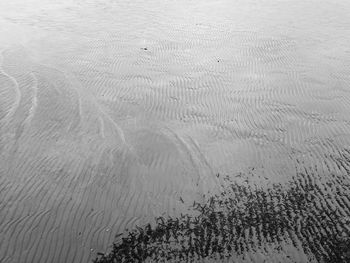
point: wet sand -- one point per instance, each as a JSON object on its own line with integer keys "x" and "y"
{"x": 115, "y": 112}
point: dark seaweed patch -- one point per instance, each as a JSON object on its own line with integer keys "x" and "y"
{"x": 240, "y": 219}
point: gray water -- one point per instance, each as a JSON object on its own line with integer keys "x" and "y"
{"x": 114, "y": 112}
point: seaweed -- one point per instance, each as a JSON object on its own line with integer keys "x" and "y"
{"x": 238, "y": 220}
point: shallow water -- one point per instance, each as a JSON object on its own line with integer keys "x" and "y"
{"x": 113, "y": 112}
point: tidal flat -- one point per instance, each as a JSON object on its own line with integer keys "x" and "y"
{"x": 116, "y": 115}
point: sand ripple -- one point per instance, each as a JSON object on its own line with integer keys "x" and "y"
{"x": 114, "y": 112}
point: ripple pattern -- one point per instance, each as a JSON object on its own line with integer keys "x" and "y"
{"x": 115, "y": 112}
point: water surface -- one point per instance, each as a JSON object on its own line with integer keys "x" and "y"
{"x": 113, "y": 112}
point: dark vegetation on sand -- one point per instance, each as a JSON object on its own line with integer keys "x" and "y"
{"x": 243, "y": 218}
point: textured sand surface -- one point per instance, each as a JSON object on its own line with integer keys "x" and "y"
{"x": 113, "y": 112}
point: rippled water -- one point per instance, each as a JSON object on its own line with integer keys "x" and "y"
{"x": 114, "y": 112}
